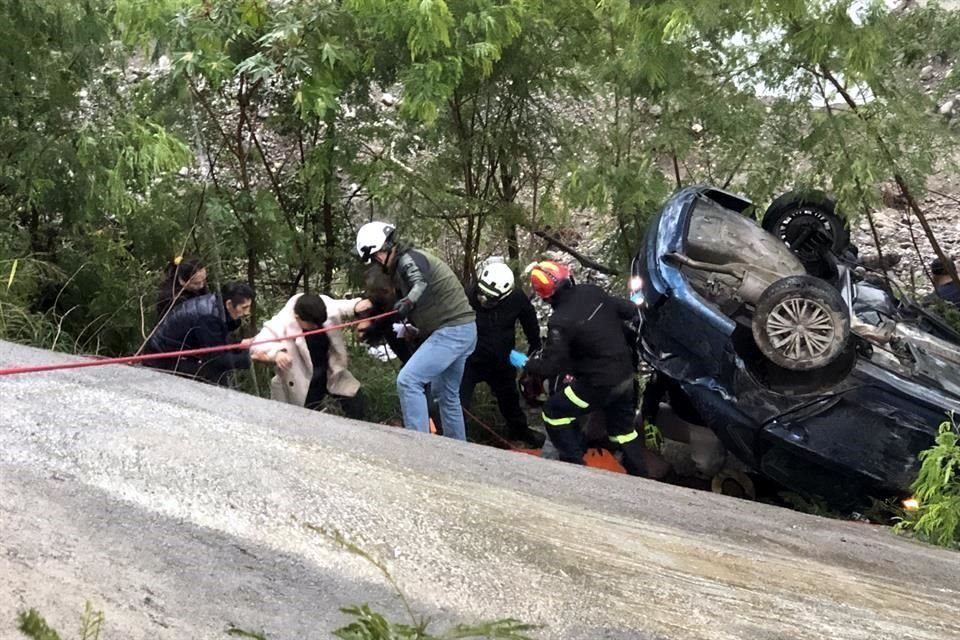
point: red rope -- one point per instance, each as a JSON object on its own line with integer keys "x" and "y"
{"x": 10, "y": 371}
{"x": 504, "y": 441}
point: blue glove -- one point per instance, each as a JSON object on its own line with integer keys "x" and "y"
{"x": 518, "y": 360}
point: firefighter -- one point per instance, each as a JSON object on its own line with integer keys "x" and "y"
{"x": 585, "y": 336}
{"x": 499, "y": 305}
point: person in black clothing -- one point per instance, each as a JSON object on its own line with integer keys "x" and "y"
{"x": 944, "y": 286}
{"x": 184, "y": 278}
{"x": 499, "y": 306}
{"x": 380, "y": 292}
{"x": 586, "y": 338}
{"x": 200, "y": 322}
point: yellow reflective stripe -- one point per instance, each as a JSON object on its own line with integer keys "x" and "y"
{"x": 625, "y": 438}
{"x": 557, "y": 422}
{"x": 574, "y": 398}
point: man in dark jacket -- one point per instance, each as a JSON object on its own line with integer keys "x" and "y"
{"x": 201, "y": 322}
{"x": 944, "y": 286}
{"x": 499, "y": 306}
{"x": 586, "y": 338}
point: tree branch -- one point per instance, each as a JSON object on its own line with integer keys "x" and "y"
{"x": 582, "y": 259}
{"x": 897, "y": 176}
{"x": 733, "y": 172}
{"x": 860, "y": 188}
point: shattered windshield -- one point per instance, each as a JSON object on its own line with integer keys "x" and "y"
{"x": 901, "y": 344}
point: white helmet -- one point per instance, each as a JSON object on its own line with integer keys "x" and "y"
{"x": 496, "y": 281}
{"x": 373, "y": 237}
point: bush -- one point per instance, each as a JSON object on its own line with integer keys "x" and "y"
{"x": 948, "y": 312}
{"x": 32, "y": 625}
{"x": 379, "y": 383}
{"x": 937, "y": 491}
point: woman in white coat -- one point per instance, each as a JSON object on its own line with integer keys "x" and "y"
{"x": 299, "y": 380}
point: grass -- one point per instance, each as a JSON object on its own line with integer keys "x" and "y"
{"x": 32, "y": 625}
{"x": 379, "y": 380}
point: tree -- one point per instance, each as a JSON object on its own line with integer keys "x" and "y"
{"x": 74, "y": 164}
{"x": 260, "y": 134}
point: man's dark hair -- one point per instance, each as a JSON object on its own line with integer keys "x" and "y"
{"x": 237, "y": 292}
{"x": 311, "y": 308}
{"x": 939, "y": 268}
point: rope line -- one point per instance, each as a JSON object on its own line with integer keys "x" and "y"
{"x": 10, "y": 371}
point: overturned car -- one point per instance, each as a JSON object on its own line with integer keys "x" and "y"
{"x": 811, "y": 373}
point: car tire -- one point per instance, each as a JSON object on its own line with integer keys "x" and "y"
{"x": 801, "y": 323}
{"x": 807, "y": 222}
{"x": 734, "y": 483}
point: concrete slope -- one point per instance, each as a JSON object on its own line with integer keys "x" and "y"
{"x": 179, "y": 508}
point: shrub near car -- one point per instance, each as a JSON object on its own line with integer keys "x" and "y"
{"x": 807, "y": 373}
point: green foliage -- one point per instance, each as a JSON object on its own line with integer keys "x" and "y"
{"x": 379, "y": 386}
{"x": 77, "y": 163}
{"x": 370, "y": 625}
{"x": 937, "y": 490}
{"x": 814, "y": 505}
{"x": 253, "y": 133}
{"x": 240, "y": 633}
{"x": 366, "y": 625}
{"x": 946, "y": 311}
{"x": 32, "y": 625}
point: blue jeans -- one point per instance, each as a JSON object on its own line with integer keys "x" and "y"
{"x": 439, "y": 362}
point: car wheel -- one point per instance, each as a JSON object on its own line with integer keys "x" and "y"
{"x": 807, "y": 222}
{"x": 801, "y": 323}
{"x": 734, "y": 483}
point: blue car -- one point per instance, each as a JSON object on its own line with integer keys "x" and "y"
{"x": 812, "y": 371}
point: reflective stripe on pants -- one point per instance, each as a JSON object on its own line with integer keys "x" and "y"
{"x": 563, "y": 410}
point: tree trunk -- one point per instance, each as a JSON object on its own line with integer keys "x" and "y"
{"x": 508, "y": 191}
{"x": 513, "y": 244}
{"x": 252, "y": 257}
{"x": 467, "y": 266}
{"x": 329, "y": 195}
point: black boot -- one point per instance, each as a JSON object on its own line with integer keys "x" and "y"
{"x": 529, "y": 437}
{"x": 633, "y": 460}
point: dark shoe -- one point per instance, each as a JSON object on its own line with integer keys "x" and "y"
{"x": 634, "y": 460}
{"x": 529, "y": 437}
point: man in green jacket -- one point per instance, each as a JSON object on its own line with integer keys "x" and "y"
{"x": 432, "y": 298}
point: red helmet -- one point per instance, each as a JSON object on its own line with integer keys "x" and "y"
{"x": 547, "y": 277}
